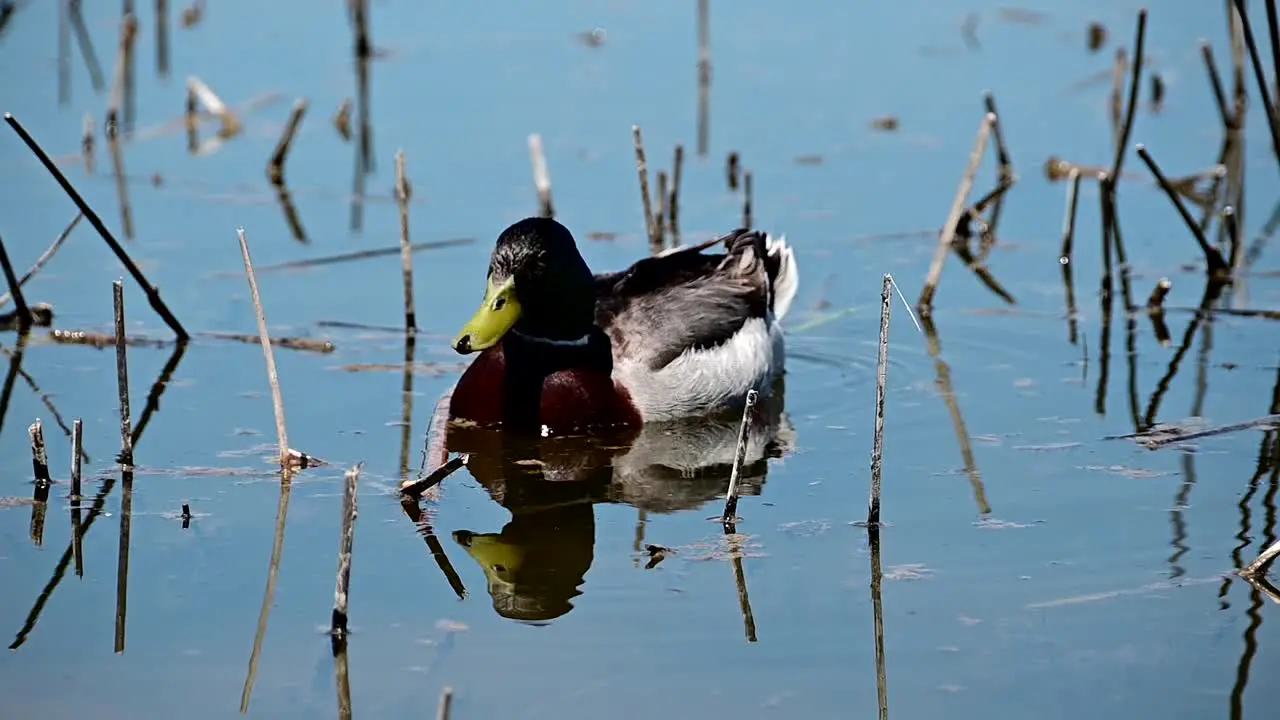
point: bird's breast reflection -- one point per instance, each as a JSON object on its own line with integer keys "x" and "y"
{"x": 536, "y": 564}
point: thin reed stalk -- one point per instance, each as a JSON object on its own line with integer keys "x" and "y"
{"x": 15, "y": 289}
{"x": 1260, "y": 75}
{"x": 729, "y": 517}
{"x": 746, "y": 199}
{"x": 1135, "y": 84}
{"x": 403, "y": 193}
{"x": 642, "y": 169}
{"x": 1215, "y": 81}
{"x": 882, "y": 371}
{"x": 541, "y": 177}
{"x": 122, "y": 376}
{"x": 273, "y": 377}
{"x": 946, "y": 237}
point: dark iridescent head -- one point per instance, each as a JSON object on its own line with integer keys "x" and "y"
{"x": 538, "y": 285}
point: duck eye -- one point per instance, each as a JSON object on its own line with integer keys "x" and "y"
{"x": 499, "y": 304}
{"x": 500, "y": 568}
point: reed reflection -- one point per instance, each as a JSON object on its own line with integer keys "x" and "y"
{"x": 535, "y": 565}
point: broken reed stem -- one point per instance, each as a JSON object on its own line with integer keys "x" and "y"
{"x": 673, "y": 203}
{"x": 446, "y": 704}
{"x": 642, "y": 168}
{"x": 403, "y": 192}
{"x": 338, "y": 626}
{"x": 273, "y": 377}
{"x": 275, "y": 167}
{"x": 882, "y": 372}
{"x": 153, "y": 294}
{"x": 1260, "y": 76}
{"x": 1213, "y": 259}
{"x": 739, "y": 457}
{"x": 1215, "y": 80}
{"x": 122, "y": 376}
{"x": 948, "y": 234}
{"x": 746, "y": 199}
{"x": 1135, "y": 81}
{"x": 414, "y": 488}
{"x": 77, "y": 451}
{"x": 1069, "y": 221}
{"x": 1260, "y": 564}
{"x": 1236, "y": 243}
{"x": 15, "y": 289}
{"x": 541, "y": 177}
{"x": 39, "y": 454}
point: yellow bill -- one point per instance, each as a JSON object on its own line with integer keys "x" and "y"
{"x": 499, "y": 311}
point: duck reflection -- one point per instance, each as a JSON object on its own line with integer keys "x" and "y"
{"x": 536, "y": 565}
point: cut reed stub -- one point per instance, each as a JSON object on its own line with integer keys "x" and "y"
{"x": 729, "y": 517}
{"x": 341, "y": 592}
{"x": 39, "y": 454}
{"x": 1156, "y": 301}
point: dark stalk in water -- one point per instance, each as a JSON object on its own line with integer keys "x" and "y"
{"x": 15, "y": 289}
{"x": 1064, "y": 259}
{"x": 746, "y": 199}
{"x": 704, "y": 76}
{"x": 1216, "y": 266}
{"x": 153, "y": 294}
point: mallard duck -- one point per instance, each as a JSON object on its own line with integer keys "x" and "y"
{"x": 680, "y": 334}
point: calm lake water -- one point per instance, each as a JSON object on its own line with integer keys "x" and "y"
{"x": 1032, "y": 567}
